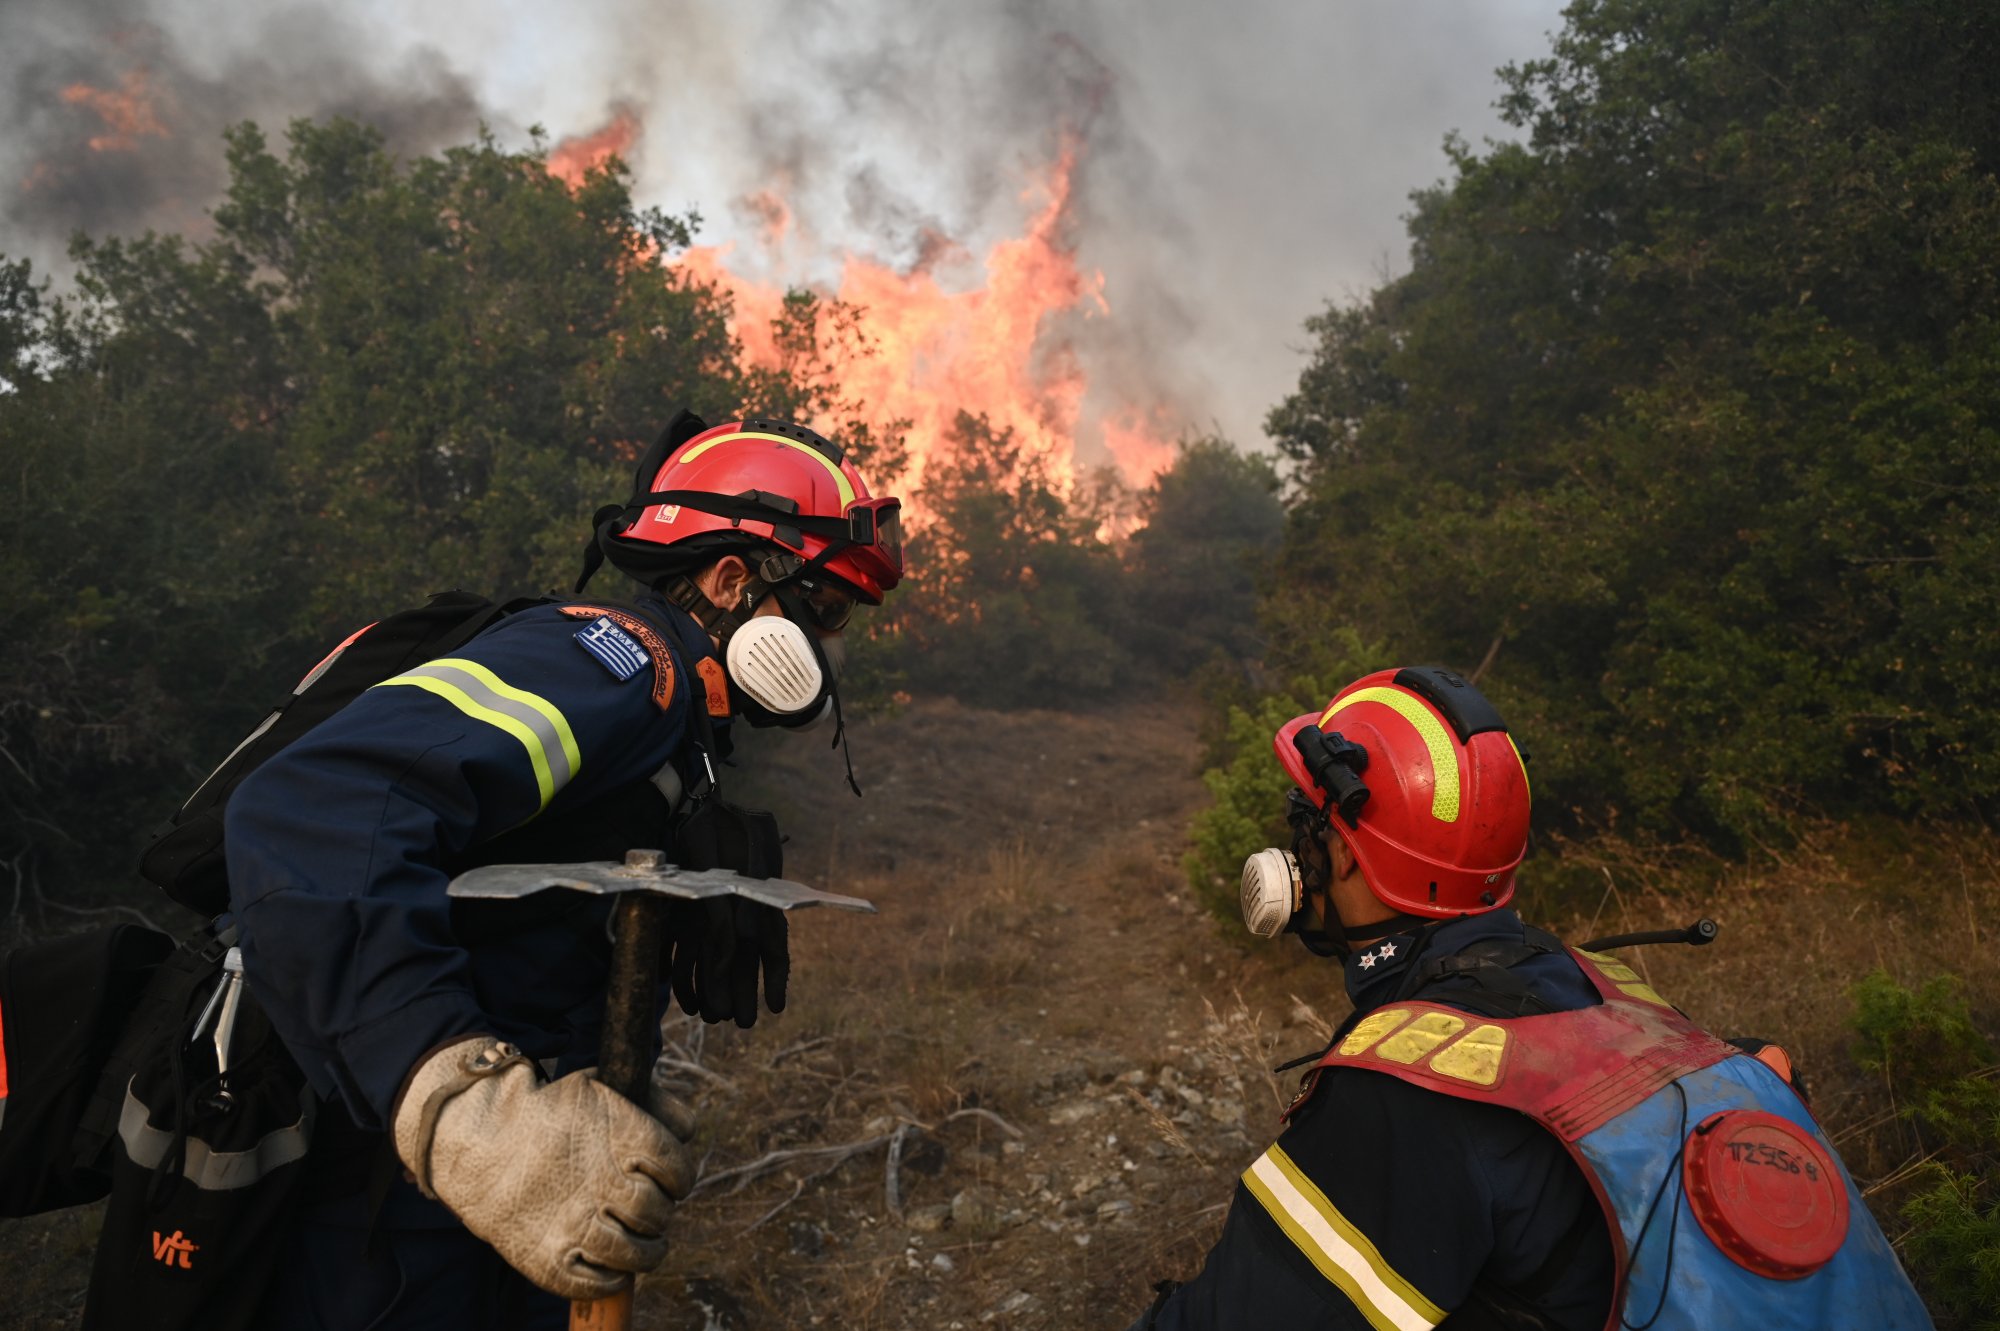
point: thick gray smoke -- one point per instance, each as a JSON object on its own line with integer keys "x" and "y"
{"x": 1238, "y": 165}
{"x": 115, "y": 108}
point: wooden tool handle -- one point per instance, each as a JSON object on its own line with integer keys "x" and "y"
{"x": 626, "y": 1049}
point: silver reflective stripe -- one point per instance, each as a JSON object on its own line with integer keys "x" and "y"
{"x": 530, "y": 718}
{"x": 215, "y": 1171}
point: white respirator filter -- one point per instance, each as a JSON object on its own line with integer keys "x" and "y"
{"x": 771, "y": 659}
{"x": 1272, "y": 892}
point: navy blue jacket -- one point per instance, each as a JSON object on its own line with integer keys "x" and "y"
{"x": 341, "y": 846}
{"x": 1438, "y": 1196}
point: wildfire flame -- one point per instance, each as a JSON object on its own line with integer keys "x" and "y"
{"x": 997, "y": 348}
{"x": 128, "y": 111}
{"x": 994, "y": 349}
{"x": 576, "y": 157}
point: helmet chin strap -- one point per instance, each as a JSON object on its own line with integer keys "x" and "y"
{"x": 720, "y": 623}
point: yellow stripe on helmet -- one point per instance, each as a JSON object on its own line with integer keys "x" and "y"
{"x": 1444, "y": 761}
{"x": 847, "y": 495}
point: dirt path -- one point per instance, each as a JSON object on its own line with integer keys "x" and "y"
{"x": 1034, "y": 1009}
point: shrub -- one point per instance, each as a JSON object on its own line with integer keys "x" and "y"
{"x": 1941, "y": 1069}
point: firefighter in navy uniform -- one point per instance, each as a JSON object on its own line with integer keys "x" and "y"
{"x": 457, "y": 1031}
{"x": 1506, "y": 1133}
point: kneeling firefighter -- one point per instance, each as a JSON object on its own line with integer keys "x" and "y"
{"x": 1506, "y": 1133}
{"x": 465, "y": 1167}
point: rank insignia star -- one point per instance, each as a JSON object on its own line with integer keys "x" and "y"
{"x": 1388, "y": 951}
{"x": 1367, "y": 961}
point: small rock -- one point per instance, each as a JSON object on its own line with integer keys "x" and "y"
{"x": 943, "y": 1263}
{"x": 1011, "y": 1148}
{"x": 1020, "y": 1301}
{"x": 929, "y": 1219}
{"x": 1087, "y": 1183}
{"x": 1117, "y": 1209}
{"x": 1074, "y": 1111}
{"x": 971, "y": 1207}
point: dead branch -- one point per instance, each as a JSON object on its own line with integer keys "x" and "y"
{"x": 772, "y": 1160}
{"x": 688, "y": 1065}
{"x": 892, "y": 1172}
{"x": 798, "y": 1189}
{"x": 796, "y": 1048}
{"x": 986, "y": 1114}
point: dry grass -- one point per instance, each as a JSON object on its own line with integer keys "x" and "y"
{"x": 1037, "y": 960}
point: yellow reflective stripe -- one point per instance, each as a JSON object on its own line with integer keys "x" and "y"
{"x": 564, "y": 735}
{"x": 832, "y": 467}
{"x": 1336, "y": 1248}
{"x": 530, "y": 719}
{"x": 1526, "y": 784}
{"x": 1444, "y": 761}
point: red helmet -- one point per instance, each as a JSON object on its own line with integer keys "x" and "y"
{"x": 1443, "y": 822}
{"x": 778, "y": 482}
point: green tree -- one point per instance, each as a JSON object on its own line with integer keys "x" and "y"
{"x": 1015, "y": 599}
{"x": 374, "y": 380}
{"x": 1686, "y": 415}
{"x": 1207, "y": 523}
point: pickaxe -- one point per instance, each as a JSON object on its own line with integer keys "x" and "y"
{"x": 642, "y": 884}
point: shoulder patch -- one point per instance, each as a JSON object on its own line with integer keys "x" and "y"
{"x": 715, "y": 684}
{"x": 617, "y": 650}
{"x": 625, "y": 644}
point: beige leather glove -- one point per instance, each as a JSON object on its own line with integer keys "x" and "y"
{"x": 568, "y": 1180}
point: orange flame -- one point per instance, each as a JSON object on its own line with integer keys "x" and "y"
{"x": 996, "y": 349}
{"x": 1140, "y": 442}
{"x": 128, "y": 112}
{"x": 576, "y": 157}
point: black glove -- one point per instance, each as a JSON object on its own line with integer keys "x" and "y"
{"x": 719, "y": 946}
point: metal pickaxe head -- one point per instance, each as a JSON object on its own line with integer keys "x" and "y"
{"x": 644, "y": 871}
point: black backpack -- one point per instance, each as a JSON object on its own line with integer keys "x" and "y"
{"x": 185, "y": 857}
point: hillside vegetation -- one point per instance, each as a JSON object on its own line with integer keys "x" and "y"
{"x": 1681, "y": 434}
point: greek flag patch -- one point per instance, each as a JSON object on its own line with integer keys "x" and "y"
{"x": 618, "y": 650}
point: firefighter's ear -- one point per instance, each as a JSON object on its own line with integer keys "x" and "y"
{"x": 1340, "y": 856}
{"x": 725, "y": 580}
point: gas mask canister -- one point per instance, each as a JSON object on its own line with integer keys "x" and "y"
{"x": 1278, "y": 883}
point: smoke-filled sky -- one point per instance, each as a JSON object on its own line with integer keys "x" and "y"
{"x": 1237, "y": 165}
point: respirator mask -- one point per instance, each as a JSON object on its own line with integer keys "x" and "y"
{"x": 780, "y": 673}
{"x": 1277, "y": 883}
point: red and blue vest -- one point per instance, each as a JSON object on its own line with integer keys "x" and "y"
{"x": 1726, "y": 1204}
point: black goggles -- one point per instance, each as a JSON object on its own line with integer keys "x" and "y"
{"x": 827, "y": 604}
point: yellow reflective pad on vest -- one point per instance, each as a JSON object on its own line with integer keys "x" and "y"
{"x": 1342, "y": 1253}
{"x": 528, "y": 717}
